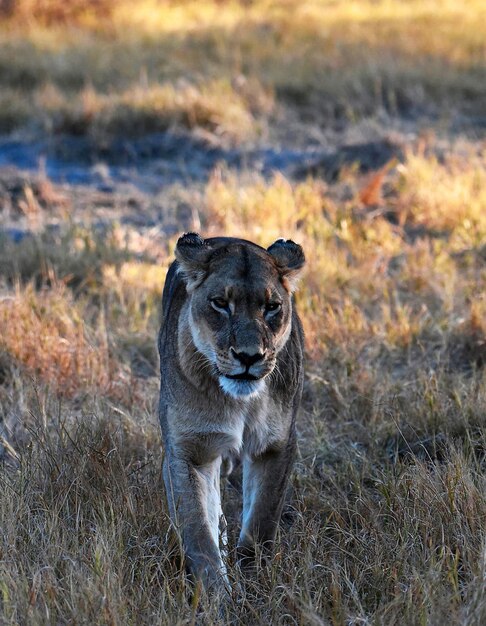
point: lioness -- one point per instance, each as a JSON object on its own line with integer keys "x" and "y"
{"x": 231, "y": 359}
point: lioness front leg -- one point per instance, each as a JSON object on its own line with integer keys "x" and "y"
{"x": 194, "y": 502}
{"x": 265, "y": 479}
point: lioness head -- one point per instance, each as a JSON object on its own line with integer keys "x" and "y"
{"x": 240, "y": 305}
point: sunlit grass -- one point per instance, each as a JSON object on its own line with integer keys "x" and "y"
{"x": 46, "y": 333}
{"x": 217, "y": 107}
{"x": 387, "y": 522}
{"x": 340, "y": 60}
{"x": 442, "y": 29}
{"x": 388, "y": 512}
{"x": 448, "y": 197}
{"x": 382, "y": 285}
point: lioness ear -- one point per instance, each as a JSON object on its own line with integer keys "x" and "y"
{"x": 290, "y": 259}
{"x": 192, "y": 253}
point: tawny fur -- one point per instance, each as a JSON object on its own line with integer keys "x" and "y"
{"x": 208, "y": 415}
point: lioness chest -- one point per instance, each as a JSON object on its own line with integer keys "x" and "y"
{"x": 209, "y": 431}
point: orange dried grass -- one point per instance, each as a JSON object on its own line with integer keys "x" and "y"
{"x": 45, "y": 333}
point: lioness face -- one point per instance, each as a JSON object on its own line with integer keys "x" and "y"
{"x": 240, "y": 306}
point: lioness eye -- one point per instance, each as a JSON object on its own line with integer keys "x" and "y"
{"x": 219, "y": 303}
{"x": 273, "y": 307}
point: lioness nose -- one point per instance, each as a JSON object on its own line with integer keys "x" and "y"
{"x": 247, "y": 359}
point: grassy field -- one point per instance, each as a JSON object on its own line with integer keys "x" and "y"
{"x": 233, "y": 68}
{"x": 386, "y": 519}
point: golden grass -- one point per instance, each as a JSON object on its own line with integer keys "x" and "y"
{"x": 447, "y": 197}
{"x": 216, "y": 106}
{"x": 387, "y": 523}
{"x": 45, "y": 332}
{"x": 435, "y": 28}
{"x": 340, "y": 60}
{"x": 388, "y": 517}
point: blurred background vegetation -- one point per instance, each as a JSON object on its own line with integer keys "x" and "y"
{"x": 106, "y": 66}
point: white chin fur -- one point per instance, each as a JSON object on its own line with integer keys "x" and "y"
{"x": 241, "y": 388}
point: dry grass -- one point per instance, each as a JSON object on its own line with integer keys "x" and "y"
{"x": 45, "y": 333}
{"x": 457, "y": 202}
{"x": 386, "y": 522}
{"x": 120, "y": 65}
{"x": 217, "y": 107}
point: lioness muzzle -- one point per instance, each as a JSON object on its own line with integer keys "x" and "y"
{"x": 231, "y": 359}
